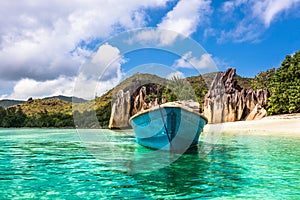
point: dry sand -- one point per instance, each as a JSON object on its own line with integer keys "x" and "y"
{"x": 279, "y": 124}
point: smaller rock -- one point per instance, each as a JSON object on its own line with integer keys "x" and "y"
{"x": 156, "y": 102}
{"x": 30, "y": 99}
{"x": 163, "y": 100}
{"x": 257, "y": 113}
{"x": 120, "y": 111}
{"x": 139, "y": 100}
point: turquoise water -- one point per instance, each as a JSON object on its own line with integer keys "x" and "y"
{"x": 56, "y": 164}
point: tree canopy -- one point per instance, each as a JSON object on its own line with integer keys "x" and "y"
{"x": 285, "y": 87}
{"x": 262, "y": 80}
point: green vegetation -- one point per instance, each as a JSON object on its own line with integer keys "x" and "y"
{"x": 282, "y": 83}
{"x": 15, "y": 117}
{"x": 50, "y": 120}
{"x": 263, "y": 79}
{"x": 103, "y": 109}
{"x": 57, "y": 111}
{"x": 50, "y": 106}
{"x": 38, "y": 113}
{"x": 12, "y": 117}
{"x": 179, "y": 89}
{"x": 200, "y": 85}
{"x": 67, "y": 99}
{"x": 285, "y": 87}
{"x": 85, "y": 119}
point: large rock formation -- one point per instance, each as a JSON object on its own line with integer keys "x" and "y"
{"x": 139, "y": 100}
{"x": 226, "y": 101}
{"x": 120, "y": 111}
{"x": 127, "y": 105}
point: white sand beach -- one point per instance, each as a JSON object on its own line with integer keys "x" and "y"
{"x": 279, "y": 124}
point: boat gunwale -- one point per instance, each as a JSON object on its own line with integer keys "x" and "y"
{"x": 168, "y": 105}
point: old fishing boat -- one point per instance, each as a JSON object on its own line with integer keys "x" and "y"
{"x": 170, "y": 126}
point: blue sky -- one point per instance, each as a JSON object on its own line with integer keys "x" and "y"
{"x": 64, "y": 47}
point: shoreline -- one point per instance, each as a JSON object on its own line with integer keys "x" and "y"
{"x": 286, "y": 124}
{"x": 275, "y": 124}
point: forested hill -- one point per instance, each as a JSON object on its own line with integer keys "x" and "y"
{"x": 57, "y": 111}
{"x": 67, "y": 99}
{"x": 282, "y": 83}
{"x": 53, "y": 111}
{"x": 5, "y": 103}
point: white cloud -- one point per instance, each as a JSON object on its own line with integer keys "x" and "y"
{"x": 105, "y": 63}
{"x": 26, "y": 88}
{"x": 189, "y": 61}
{"x": 43, "y": 44}
{"x": 89, "y": 88}
{"x": 242, "y": 33}
{"x": 154, "y": 37}
{"x": 229, "y": 6}
{"x": 105, "y": 54}
{"x": 268, "y": 10}
{"x": 186, "y": 16}
{"x": 177, "y": 74}
{"x": 43, "y": 41}
{"x": 182, "y": 20}
{"x": 101, "y": 74}
{"x": 255, "y": 17}
{"x": 98, "y": 76}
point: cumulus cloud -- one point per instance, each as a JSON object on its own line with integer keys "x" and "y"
{"x": 257, "y": 16}
{"x": 42, "y": 41}
{"x": 155, "y": 37}
{"x": 106, "y": 62}
{"x": 88, "y": 88}
{"x": 80, "y": 86}
{"x": 182, "y": 20}
{"x": 97, "y": 76}
{"x": 26, "y": 88}
{"x": 189, "y": 61}
{"x": 100, "y": 74}
{"x": 186, "y": 16}
{"x": 43, "y": 44}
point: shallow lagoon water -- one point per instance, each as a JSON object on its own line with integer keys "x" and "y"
{"x": 56, "y": 164}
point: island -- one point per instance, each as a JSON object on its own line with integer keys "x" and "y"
{"x": 271, "y": 98}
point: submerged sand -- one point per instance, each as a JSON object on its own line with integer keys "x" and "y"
{"x": 279, "y": 124}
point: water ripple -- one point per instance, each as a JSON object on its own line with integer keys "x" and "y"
{"x": 54, "y": 164}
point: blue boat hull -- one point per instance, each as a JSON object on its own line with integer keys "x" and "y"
{"x": 168, "y": 128}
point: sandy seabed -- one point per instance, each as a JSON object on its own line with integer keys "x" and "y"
{"x": 288, "y": 124}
